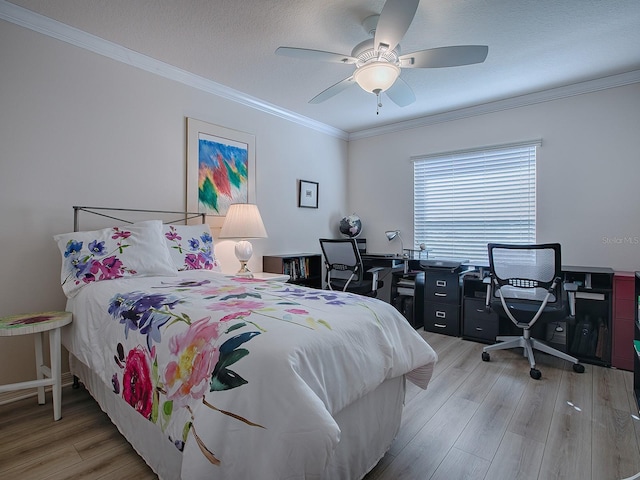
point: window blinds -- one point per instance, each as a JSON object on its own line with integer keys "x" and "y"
{"x": 464, "y": 200}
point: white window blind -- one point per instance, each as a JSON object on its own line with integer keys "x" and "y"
{"x": 464, "y": 200}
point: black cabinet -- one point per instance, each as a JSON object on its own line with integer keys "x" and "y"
{"x": 478, "y": 322}
{"x": 407, "y": 295}
{"x": 442, "y": 300}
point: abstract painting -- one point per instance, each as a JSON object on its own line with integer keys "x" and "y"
{"x": 220, "y": 168}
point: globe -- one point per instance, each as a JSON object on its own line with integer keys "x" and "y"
{"x": 351, "y": 226}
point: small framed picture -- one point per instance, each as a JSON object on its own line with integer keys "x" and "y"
{"x": 308, "y": 194}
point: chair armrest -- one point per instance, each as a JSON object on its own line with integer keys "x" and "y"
{"x": 571, "y": 289}
{"x": 374, "y": 271}
{"x": 487, "y": 301}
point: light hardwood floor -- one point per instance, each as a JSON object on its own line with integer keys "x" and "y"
{"x": 476, "y": 420}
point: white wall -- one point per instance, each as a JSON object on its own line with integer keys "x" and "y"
{"x": 80, "y": 129}
{"x": 588, "y": 173}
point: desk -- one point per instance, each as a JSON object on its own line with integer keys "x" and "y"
{"x": 587, "y": 337}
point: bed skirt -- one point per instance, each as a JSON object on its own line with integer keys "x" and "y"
{"x": 367, "y": 428}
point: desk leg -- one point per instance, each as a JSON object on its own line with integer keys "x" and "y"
{"x": 39, "y": 363}
{"x": 54, "y": 348}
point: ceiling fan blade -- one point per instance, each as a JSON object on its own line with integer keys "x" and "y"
{"x": 445, "y": 57}
{"x": 333, "y": 90}
{"x": 394, "y": 21}
{"x": 320, "y": 55}
{"x": 401, "y": 93}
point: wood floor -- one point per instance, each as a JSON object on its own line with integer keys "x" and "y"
{"x": 476, "y": 420}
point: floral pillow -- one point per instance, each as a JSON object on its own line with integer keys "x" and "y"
{"x": 134, "y": 250}
{"x": 191, "y": 247}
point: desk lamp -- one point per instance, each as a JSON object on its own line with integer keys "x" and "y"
{"x": 243, "y": 221}
{"x": 391, "y": 234}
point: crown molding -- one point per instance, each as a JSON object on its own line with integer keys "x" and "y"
{"x": 505, "y": 104}
{"x": 54, "y": 29}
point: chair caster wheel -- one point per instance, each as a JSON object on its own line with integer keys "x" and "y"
{"x": 535, "y": 373}
{"x": 485, "y": 357}
{"x": 578, "y": 368}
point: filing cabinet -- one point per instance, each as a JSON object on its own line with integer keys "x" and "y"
{"x": 478, "y": 323}
{"x": 442, "y": 301}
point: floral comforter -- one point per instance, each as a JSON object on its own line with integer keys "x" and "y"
{"x": 241, "y": 375}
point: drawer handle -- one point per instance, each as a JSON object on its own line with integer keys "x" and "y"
{"x": 441, "y": 283}
{"x": 440, "y": 314}
{"x": 478, "y": 329}
{"x": 438, "y": 294}
{"x": 439, "y": 325}
{"x": 480, "y": 310}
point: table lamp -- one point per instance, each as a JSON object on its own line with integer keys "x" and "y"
{"x": 243, "y": 221}
{"x": 391, "y": 234}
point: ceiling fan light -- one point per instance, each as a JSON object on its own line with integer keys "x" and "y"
{"x": 378, "y": 76}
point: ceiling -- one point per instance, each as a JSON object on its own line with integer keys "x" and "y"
{"x": 534, "y": 45}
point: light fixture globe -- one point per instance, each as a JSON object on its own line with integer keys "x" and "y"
{"x": 376, "y": 76}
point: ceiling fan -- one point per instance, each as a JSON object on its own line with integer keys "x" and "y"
{"x": 378, "y": 60}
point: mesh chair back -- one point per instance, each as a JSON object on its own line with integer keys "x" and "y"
{"x": 342, "y": 258}
{"x": 525, "y": 272}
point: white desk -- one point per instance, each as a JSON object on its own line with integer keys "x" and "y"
{"x": 38, "y": 323}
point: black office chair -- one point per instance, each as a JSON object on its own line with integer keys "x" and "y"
{"x": 525, "y": 285}
{"x": 345, "y": 270}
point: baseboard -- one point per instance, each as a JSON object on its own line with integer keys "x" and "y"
{"x": 8, "y": 397}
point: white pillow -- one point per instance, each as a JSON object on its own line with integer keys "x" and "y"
{"x": 191, "y": 247}
{"x": 133, "y": 250}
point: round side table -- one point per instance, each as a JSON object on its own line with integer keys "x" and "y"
{"x": 39, "y": 323}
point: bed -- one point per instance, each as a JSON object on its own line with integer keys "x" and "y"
{"x": 209, "y": 375}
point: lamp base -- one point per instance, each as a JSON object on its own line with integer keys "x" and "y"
{"x": 244, "y": 250}
{"x": 244, "y": 270}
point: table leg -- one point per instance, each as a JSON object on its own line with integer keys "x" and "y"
{"x": 39, "y": 363}
{"x": 54, "y": 348}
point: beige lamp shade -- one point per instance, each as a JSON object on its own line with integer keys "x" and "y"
{"x": 243, "y": 220}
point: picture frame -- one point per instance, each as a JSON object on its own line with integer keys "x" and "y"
{"x": 308, "y": 194}
{"x": 221, "y": 169}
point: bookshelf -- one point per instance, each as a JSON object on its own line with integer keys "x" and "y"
{"x": 303, "y": 268}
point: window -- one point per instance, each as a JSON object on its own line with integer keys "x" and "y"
{"x": 464, "y": 200}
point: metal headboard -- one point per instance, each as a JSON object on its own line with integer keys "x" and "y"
{"x": 184, "y": 216}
